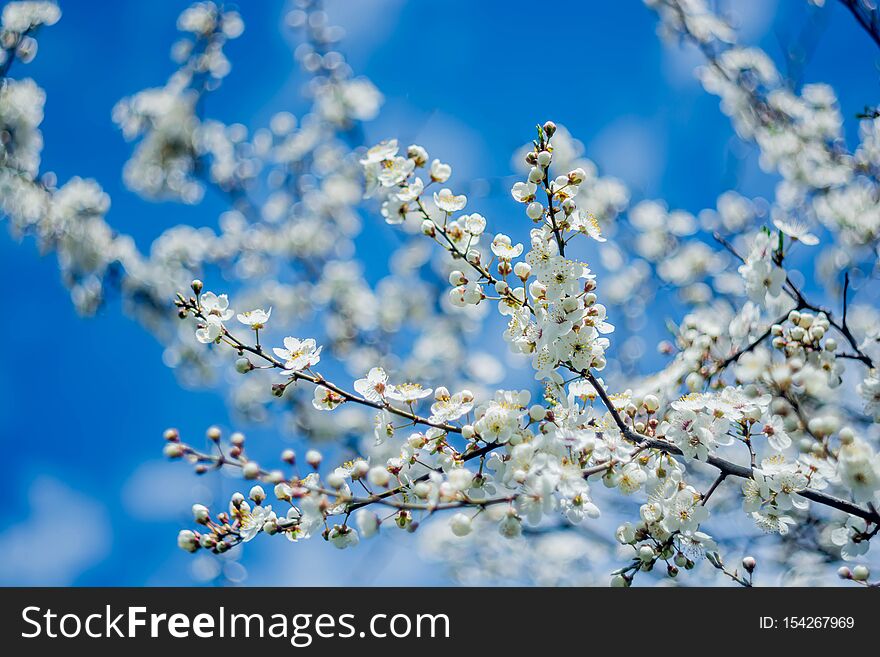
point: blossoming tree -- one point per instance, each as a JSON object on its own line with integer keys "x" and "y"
{"x": 749, "y": 422}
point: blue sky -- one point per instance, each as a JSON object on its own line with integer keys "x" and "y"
{"x": 83, "y": 402}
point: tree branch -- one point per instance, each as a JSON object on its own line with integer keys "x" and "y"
{"x": 727, "y": 468}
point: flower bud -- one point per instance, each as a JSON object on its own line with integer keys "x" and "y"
{"x": 378, "y": 476}
{"x": 460, "y": 524}
{"x": 359, "y": 469}
{"x": 693, "y": 381}
{"x": 367, "y": 522}
{"x": 243, "y": 366}
{"x": 187, "y": 540}
{"x": 510, "y": 527}
{"x": 335, "y": 480}
{"x": 577, "y": 176}
{"x": 282, "y": 491}
{"x": 201, "y": 514}
{"x": 250, "y": 470}
{"x": 570, "y": 304}
{"x": 457, "y": 278}
{"x": 314, "y": 458}
{"x": 417, "y": 154}
{"x": 749, "y": 563}
{"x": 173, "y": 450}
{"x": 619, "y": 581}
{"x": 257, "y": 494}
{"x": 522, "y": 270}
{"x": 535, "y": 210}
{"x": 861, "y": 573}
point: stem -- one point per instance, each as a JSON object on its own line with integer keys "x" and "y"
{"x": 727, "y": 468}
{"x": 317, "y": 379}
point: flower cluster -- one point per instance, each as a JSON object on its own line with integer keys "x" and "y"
{"x": 757, "y": 377}
{"x": 760, "y": 273}
{"x": 803, "y": 340}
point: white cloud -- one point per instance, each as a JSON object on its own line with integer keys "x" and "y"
{"x": 66, "y": 533}
{"x": 160, "y": 490}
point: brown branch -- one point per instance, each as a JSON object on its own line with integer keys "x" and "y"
{"x": 802, "y": 303}
{"x": 727, "y": 468}
{"x": 317, "y": 379}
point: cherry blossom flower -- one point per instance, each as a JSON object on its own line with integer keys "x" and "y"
{"x": 211, "y": 330}
{"x": 395, "y": 170}
{"x": 796, "y": 230}
{"x": 685, "y": 513}
{"x": 343, "y": 537}
{"x": 216, "y": 306}
{"x": 326, "y": 399}
{"x": 374, "y": 386}
{"x": 446, "y": 201}
{"x": 384, "y": 150}
{"x": 586, "y": 223}
{"x": 252, "y": 521}
{"x": 256, "y": 319}
{"x": 407, "y": 392}
{"x": 774, "y": 429}
{"x": 502, "y": 247}
{"x": 524, "y": 192}
{"x": 440, "y": 172}
{"x": 850, "y": 538}
{"x": 448, "y": 407}
{"x": 766, "y": 374}
{"x": 299, "y": 354}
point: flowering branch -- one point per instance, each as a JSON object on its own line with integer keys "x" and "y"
{"x": 501, "y": 461}
{"x": 727, "y": 468}
{"x": 192, "y": 306}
